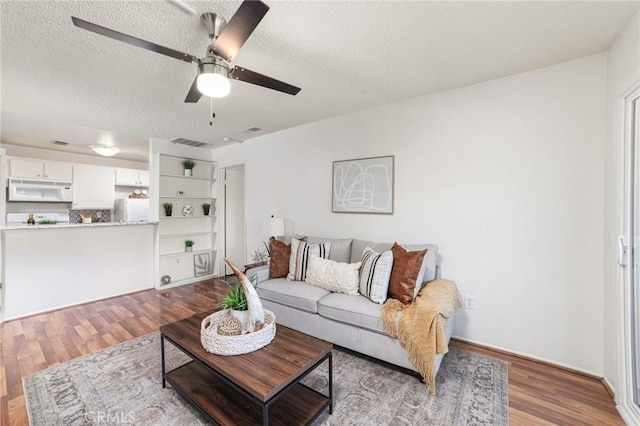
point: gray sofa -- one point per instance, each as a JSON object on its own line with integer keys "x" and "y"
{"x": 349, "y": 321}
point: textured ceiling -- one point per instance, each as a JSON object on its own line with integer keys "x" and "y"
{"x": 61, "y": 82}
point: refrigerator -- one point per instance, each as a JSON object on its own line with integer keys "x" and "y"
{"x": 132, "y": 210}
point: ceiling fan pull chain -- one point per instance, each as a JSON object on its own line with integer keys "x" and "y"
{"x": 213, "y": 114}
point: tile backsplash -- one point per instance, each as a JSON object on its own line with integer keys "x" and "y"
{"x": 103, "y": 215}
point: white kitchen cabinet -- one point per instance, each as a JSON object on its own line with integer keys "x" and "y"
{"x": 132, "y": 177}
{"x": 93, "y": 187}
{"x": 28, "y": 169}
{"x": 58, "y": 171}
{"x": 23, "y": 168}
{"x": 144, "y": 177}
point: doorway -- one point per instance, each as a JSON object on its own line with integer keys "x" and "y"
{"x": 629, "y": 400}
{"x": 234, "y": 235}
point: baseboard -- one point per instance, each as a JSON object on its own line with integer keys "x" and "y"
{"x": 627, "y": 415}
{"x": 528, "y": 357}
{"x": 609, "y": 388}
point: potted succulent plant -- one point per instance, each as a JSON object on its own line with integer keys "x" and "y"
{"x": 235, "y": 299}
{"x": 188, "y": 165}
{"x": 206, "y": 207}
{"x": 168, "y": 208}
{"x": 188, "y": 245}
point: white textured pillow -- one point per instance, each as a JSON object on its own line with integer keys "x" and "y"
{"x": 299, "y": 260}
{"x": 375, "y": 274}
{"x": 334, "y": 276}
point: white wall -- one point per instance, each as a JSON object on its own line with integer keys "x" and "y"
{"x": 505, "y": 176}
{"x": 623, "y": 70}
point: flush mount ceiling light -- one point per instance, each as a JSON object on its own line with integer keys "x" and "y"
{"x": 213, "y": 80}
{"x": 105, "y": 150}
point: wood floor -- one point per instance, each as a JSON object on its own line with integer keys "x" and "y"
{"x": 538, "y": 394}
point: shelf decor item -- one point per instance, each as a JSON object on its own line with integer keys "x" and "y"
{"x": 188, "y": 245}
{"x": 259, "y": 256}
{"x": 187, "y": 210}
{"x": 206, "y": 208}
{"x": 168, "y": 208}
{"x": 201, "y": 264}
{"x": 218, "y": 334}
{"x": 188, "y": 165}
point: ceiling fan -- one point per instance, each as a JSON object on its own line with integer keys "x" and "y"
{"x": 213, "y": 69}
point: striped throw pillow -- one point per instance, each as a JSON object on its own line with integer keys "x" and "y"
{"x": 299, "y": 260}
{"x": 375, "y": 273}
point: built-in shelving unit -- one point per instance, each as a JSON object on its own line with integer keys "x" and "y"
{"x": 187, "y": 221}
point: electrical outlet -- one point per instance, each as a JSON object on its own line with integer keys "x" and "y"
{"x": 469, "y": 302}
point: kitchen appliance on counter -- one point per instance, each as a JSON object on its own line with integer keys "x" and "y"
{"x": 40, "y": 191}
{"x": 132, "y": 210}
{"x": 20, "y": 219}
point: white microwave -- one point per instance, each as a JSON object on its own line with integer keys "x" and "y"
{"x": 40, "y": 191}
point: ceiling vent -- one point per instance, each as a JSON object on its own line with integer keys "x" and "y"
{"x": 251, "y": 130}
{"x": 60, "y": 143}
{"x": 188, "y": 142}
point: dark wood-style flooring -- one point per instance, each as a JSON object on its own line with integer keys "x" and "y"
{"x": 539, "y": 394}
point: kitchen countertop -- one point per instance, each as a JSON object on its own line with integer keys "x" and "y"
{"x": 75, "y": 225}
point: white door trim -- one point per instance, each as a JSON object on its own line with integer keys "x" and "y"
{"x": 624, "y": 134}
{"x": 223, "y": 219}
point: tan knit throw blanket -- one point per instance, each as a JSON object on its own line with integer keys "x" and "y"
{"x": 421, "y": 327}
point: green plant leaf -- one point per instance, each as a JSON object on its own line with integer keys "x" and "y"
{"x": 234, "y": 299}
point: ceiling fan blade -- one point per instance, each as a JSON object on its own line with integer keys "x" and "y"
{"x": 248, "y": 76}
{"x": 194, "y": 94}
{"x": 239, "y": 28}
{"x": 132, "y": 40}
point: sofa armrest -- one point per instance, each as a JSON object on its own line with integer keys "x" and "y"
{"x": 262, "y": 272}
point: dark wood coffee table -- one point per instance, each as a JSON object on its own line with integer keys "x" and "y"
{"x": 261, "y": 387}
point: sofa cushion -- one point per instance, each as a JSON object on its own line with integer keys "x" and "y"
{"x": 375, "y": 274}
{"x": 340, "y": 248}
{"x": 430, "y": 260}
{"x": 279, "y": 259}
{"x": 297, "y": 295}
{"x": 353, "y": 310}
{"x": 334, "y": 276}
{"x": 358, "y": 246}
{"x": 428, "y": 270}
{"x": 407, "y": 266}
{"x": 299, "y": 260}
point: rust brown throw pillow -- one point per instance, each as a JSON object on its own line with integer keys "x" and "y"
{"x": 279, "y": 262}
{"x": 406, "y": 267}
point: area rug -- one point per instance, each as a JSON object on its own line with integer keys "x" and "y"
{"x": 122, "y": 385}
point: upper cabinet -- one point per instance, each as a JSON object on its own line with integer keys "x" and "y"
{"x": 132, "y": 177}
{"x": 37, "y": 169}
{"x": 93, "y": 187}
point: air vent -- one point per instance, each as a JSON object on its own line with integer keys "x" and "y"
{"x": 188, "y": 142}
{"x": 251, "y": 130}
{"x": 60, "y": 143}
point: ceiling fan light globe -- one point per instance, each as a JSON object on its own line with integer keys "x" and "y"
{"x": 213, "y": 85}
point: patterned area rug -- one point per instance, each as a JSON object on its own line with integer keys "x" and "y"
{"x": 122, "y": 385}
